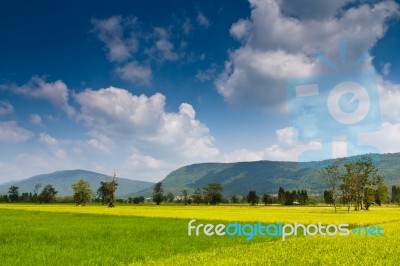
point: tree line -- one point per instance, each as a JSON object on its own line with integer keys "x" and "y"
{"x": 354, "y": 183}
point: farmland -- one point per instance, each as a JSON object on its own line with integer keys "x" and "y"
{"x": 63, "y": 234}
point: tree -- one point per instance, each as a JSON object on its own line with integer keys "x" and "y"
{"x": 369, "y": 197}
{"x": 302, "y": 197}
{"x": 328, "y": 197}
{"x": 267, "y": 199}
{"x": 13, "y": 194}
{"x": 237, "y": 198}
{"x": 381, "y": 195}
{"x": 332, "y": 177}
{"x": 107, "y": 190}
{"x": 198, "y": 196}
{"x": 395, "y": 194}
{"x": 359, "y": 175}
{"x": 252, "y": 198}
{"x": 82, "y": 192}
{"x": 35, "y": 196}
{"x": 185, "y": 196}
{"x": 170, "y": 197}
{"x": 137, "y": 200}
{"x": 158, "y": 192}
{"x": 213, "y": 193}
{"x": 281, "y": 196}
{"x": 48, "y": 194}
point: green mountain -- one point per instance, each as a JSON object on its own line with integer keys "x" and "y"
{"x": 62, "y": 181}
{"x": 264, "y": 176}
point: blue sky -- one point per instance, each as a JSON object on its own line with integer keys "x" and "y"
{"x": 144, "y": 87}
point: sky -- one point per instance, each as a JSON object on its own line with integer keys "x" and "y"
{"x": 145, "y": 87}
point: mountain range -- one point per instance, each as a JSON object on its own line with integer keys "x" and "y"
{"x": 265, "y": 176}
{"x": 236, "y": 178}
{"x": 62, "y": 181}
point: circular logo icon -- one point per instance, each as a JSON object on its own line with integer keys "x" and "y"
{"x": 358, "y": 92}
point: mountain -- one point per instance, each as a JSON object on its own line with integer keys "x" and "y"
{"x": 62, "y": 181}
{"x": 265, "y": 176}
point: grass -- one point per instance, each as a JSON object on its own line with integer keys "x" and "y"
{"x": 63, "y": 234}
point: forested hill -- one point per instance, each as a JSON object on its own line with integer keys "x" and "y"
{"x": 264, "y": 176}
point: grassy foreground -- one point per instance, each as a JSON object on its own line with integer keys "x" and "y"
{"x": 157, "y": 235}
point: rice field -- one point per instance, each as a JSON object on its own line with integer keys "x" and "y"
{"x": 64, "y": 234}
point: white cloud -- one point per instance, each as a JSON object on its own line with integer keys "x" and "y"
{"x": 99, "y": 142}
{"x": 276, "y": 46}
{"x": 163, "y": 48}
{"x": 111, "y": 32}
{"x": 206, "y": 75}
{"x": 47, "y": 139}
{"x": 243, "y": 155}
{"x": 10, "y": 132}
{"x": 36, "y": 120}
{"x": 203, "y": 20}
{"x": 6, "y": 108}
{"x": 135, "y": 72}
{"x": 389, "y": 96}
{"x": 386, "y": 69}
{"x": 386, "y": 140}
{"x": 187, "y": 26}
{"x": 143, "y": 122}
{"x": 54, "y": 92}
{"x": 286, "y": 149}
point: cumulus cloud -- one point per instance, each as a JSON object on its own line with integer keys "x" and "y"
{"x": 10, "y": 132}
{"x": 163, "y": 48}
{"x": 6, "y": 108}
{"x": 111, "y": 32}
{"x": 149, "y": 141}
{"x": 56, "y": 93}
{"x": 187, "y": 26}
{"x": 207, "y": 74}
{"x": 203, "y": 20}
{"x": 47, "y": 139}
{"x": 135, "y": 72}
{"x": 280, "y": 41}
{"x": 386, "y": 140}
{"x": 36, "y": 120}
{"x": 286, "y": 149}
{"x": 118, "y": 114}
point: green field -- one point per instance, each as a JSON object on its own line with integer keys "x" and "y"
{"x": 58, "y": 234}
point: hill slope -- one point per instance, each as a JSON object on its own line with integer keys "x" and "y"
{"x": 62, "y": 181}
{"x": 263, "y": 176}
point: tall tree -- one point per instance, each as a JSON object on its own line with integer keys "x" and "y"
{"x": 48, "y": 194}
{"x": 158, "y": 193}
{"x": 381, "y": 195}
{"x": 395, "y": 194}
{"x": 35, "y": 196}
{"x": 170, "y": 197}
{"x": 328, "y": 197}
{"x": 267, "y": 199}
{"x": 213, "y": 193}
{"x": 82, "y": 192}
{"x": 252, "y": 198}
{"x": 281, "y": 195}
{"x": 13, "y": 194}
{"x": 185, "y": 196}
{"x": 359, "y": 176}
{"x": 198, "y": 196}
{"x": 107, "y": 190}
{"x": 332, "y": 177}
